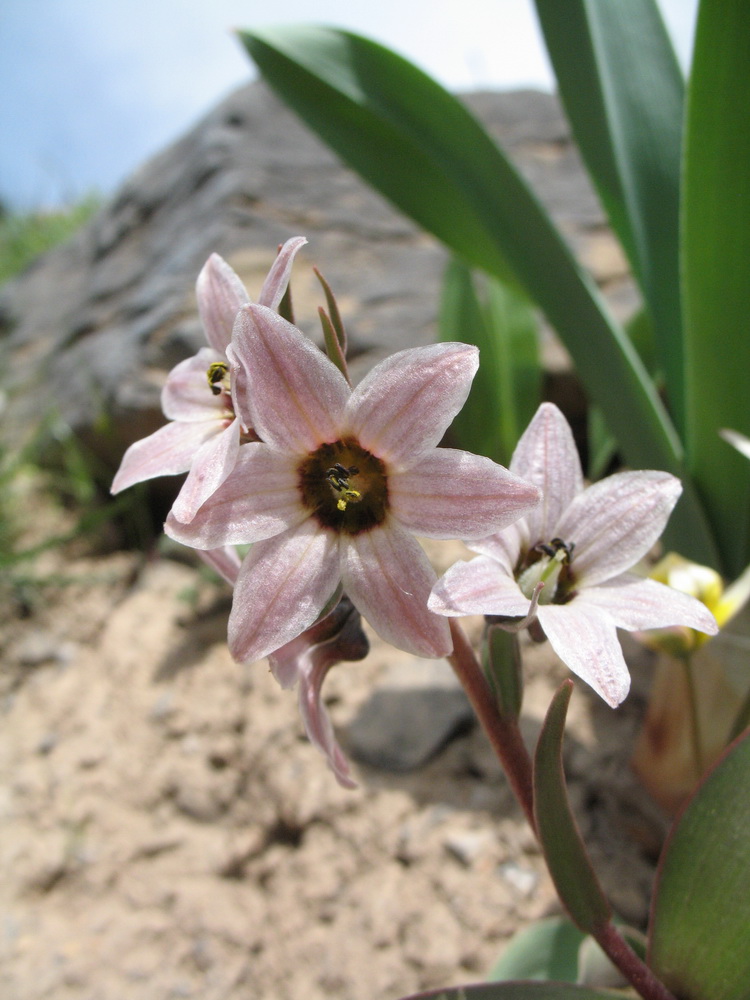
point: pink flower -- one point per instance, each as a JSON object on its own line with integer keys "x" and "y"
{"x": 200, "y": 397}
{"x": 337, "y": 484}
{"x": 578, "y": 543}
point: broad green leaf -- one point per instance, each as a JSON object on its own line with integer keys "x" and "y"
{"x": 420, "y": 147}
{"x": 624, "y": 95}
{"x": 716, "y": 249}
{"x": 569, "y": 865}
{"x": 548, "y": 949}
{"x": 507, "y": 388}
{"x": 517, "y": 991}
{"x": 700, "y": 926}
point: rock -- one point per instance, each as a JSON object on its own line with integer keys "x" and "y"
{"x": 410, "y": 716}
{"x": 90, "y": 330}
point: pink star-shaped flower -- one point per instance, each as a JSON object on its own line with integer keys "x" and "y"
{"x": 200, "y": 397}
{"x": 579, "y": 543}
{"x": 338, "y": 484}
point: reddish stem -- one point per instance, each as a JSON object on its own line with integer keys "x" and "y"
{"x": 505, "y": 737}
{"x": 504, "y": 734}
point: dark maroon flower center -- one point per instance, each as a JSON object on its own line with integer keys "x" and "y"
{"x": 344, "y": 486}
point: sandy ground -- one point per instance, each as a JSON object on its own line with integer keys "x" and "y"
{"x": 166, "y": 831}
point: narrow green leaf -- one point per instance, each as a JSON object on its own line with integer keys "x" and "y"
{"x": 503, "y": 670}
{"x": 335, "y": 314}
{"x": 568, "y": 863}
{"x": 624, "y": 96}
{"x": 333, "y": 344}
{"x": 546, "y": 950}
{"x": 700, "y": 924}
{"x": 716, "y": 247}
{"x": 507, "y": 388}
{"x": 517, "y": 991}
{"x": 421, "y": 148}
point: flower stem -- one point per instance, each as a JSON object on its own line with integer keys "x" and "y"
{"x": 630, "y": 965}
{"x": 695, "y": 729}
{"x": 504, "y": 734}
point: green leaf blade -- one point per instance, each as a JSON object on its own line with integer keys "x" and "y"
{"x": 700, "y": 923}
{"x": 716, "y": 250}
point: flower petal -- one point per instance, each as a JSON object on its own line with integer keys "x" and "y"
{"x": 296, "y": 396}
{"x": 547, "y": 456}
{"x": 585, "y": 639}
{"x": 404, "y": 406}
{"x": 504, "y": 546}
{"x": 224, "y": 561}
{"x": 478, "y": 587}
{"x": 388, "y": 579}
{"x": 284, "y": 584}
{"x": 259, "y": 499}
{"x": 211, "y": 465}
{"x": 454, "y": 494}
{"x": 318, "y": 723}
{"x": 187, "y": 395}
{"x": 634, "y": 603}
{"x": 220, "y": 295}
{"x": 615, "y": 522}
{"x": 166, "y": 452}
{"x": 278, "y": 277}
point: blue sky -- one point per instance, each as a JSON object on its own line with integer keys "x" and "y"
{"x": 91, "y": 88}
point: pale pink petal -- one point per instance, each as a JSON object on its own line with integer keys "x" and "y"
{"x": 615, "y": 522}
{"x": 401, "y": 410}
{"x": 388, "y": 578}
{"x": 278, "y": 277}
{"x": 585, "y": 639}
{"x": 225, "y": 561}
{"x": 166, "y": 452}
{"x": 239, "y": 390}
{"x": 296, "y": 396}
{"x": 220, "y": 295}
{"x": 478, "y": 587}
{"x": 546, "y": 455}
{"x": 504, "y": 547}
{"x": 259, "y": 499}
{"x": 634, "y": 603}
{"x": 213, "y": 462}
{"x": 286, "y": 662}
{"x": 284, "y": 584}
{"x": 187, "y": 395}
{"x": 454, "y": 494}
{"x": 318, "y": 723}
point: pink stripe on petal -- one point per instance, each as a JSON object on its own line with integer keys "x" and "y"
{"x": 166, "y": 452}
{"x": 259, "y": 499}
{"x": 187, "y": 395}
{"x": 547, "y": 456}
{"x": 586, "y": 641}
{"x": 283, "y": 586}
{"x": 295, "y": 394}
{"x": 278, "y": 277}
{"x": 615, "y": 522}
{"x": 404, "y": 406}
{"x": 388, "y": 578}
{"x": 635, "y": 604}
{"x": 478, "y": 587}
{"x": 454, "y": 494}
{"x": 220, "y": 295}
{"x": 211, "y": 465}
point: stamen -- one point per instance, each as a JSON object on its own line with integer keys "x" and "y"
{"x": 338, "y": 479}
{"x": 218, "y": 372}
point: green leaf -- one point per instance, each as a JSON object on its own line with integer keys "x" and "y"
{"x": 569, "y": 865}
{"x": 548, "y": 949}
{"x": 624, "y": 96}
{"x": 501, "y": 662}
{"x": 421, "y": 148}
{"x": 716, "y": 248}
{"x": 700, "y": 927}
{"x": 507, "y": 388}
{"x": 517, "y": 991}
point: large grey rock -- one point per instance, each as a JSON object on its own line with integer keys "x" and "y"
{"x": 90, "y": 330}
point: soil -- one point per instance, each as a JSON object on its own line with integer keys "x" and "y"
{"x": 166, "y": 830}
